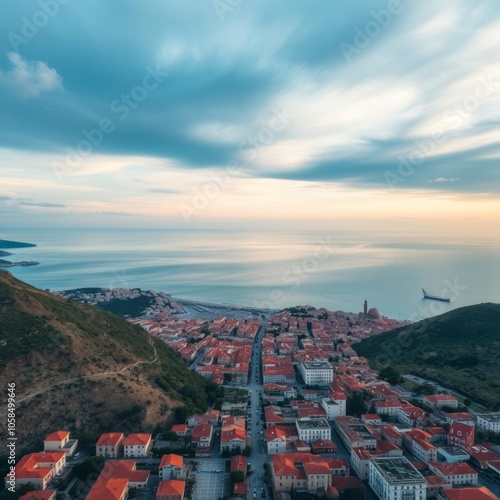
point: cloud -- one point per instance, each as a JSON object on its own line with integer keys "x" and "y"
{"x": 443, "y": 179}
{"x": 162, "y": 191}
{"x": 111, "y": 213}
{"x": 353, "y": 119}
{"x": 30, "y": 78}
{"x": 41, "y": 205}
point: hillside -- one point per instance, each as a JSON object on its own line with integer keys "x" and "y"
{"x": 459, "y": 349}
{"x": 93, "y": 370}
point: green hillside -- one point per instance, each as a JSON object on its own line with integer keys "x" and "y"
{"x": 84, "y": 369}
{"x": 459, "y": 349}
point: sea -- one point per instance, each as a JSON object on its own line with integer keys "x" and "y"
{"x": 269, "y": 269}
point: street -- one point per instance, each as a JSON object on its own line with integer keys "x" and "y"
{"x": 258, "y": 457}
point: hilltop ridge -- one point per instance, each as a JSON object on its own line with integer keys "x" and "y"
{"x": 84, "y": 369}
{"x": 459, "y": 349}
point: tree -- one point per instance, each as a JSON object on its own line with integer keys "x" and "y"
{"x": 170, "y": 436}
{"x": 90, "y": 466}
{"x": 390, "y": 374}
{"x": 467, "y": 402}
{"x": 355, "y": 404}
{"x": 237, "y": 476}
{"x": 426, "y": 389}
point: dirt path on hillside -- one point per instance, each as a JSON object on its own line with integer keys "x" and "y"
{"x": 82, "y": 377}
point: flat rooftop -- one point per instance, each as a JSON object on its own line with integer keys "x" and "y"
{"x": 454, "y": 451}
{"x": 362, "y": 431}
{"x": 312, "y": 423}
{"x": 490, "y": 417}
{"x": 398, "y": 470}
{"x": 330, "y": 401}
{"x": 317, "y": 365}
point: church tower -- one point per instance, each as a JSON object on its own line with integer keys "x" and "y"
{"x": 365, "y": 310}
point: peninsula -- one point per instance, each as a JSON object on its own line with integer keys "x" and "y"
{"x": 8, "y": 263}
{"x": 15, "y": 244}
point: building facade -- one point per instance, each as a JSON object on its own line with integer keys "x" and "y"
{"x": 396, "y": 479}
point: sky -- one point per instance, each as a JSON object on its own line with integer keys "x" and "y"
{"x": 233, "y": 113}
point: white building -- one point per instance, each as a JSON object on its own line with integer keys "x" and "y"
{"x": 333, "y": 407}
{"x": 171, "y": 467}
{"x": 276, "y": 440}
{"x": 396, "y": 479}
{"x": 455, "y": 474}
{"x": 489, "y": 422}
{"x": 316, "y": 372}
{"x": 311, "y": 429}
{"x": 137, "y": 445}
{"x": 424, "y": 451}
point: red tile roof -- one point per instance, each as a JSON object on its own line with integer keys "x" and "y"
{"x": 28, "y": 466}
{"x": 172, "y": 487}
{"x": 323, "y": 443}
{"x": 435, "y": 431}
{"x": 180, "y": 428}
{"x": 434, "y": 480}
{"x": 240, "y": 489}
{"x": 384, "y": 447}
{"x": 460, "y": 415}
{"x": 232, "y": 433}
{"x": 437, "y": 398}
{"x": 454, "y": 469}
{"x": 124, "y": 469}
{"x": 137, "y": 439}
{"x": 39, "y": 495}
{"x": 171, "y": 459}
{"x": 337, "y": 463}
{"x": 57, "y": 436}
{"x": 238, "y": 462}
{"x": 347, "y": 483}
{"x": 108, "y": 489}
{"x": 202, "y": 431}
{"x": 316, "y": 468}
{"x": 481, "y": 493}
{"x": 425, "y": 445}
{"x": 110, "y": 438}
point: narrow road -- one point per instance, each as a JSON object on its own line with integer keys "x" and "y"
{"x": 95, "y": 375}
{"x": 256, "y": 458}
{"x": 439, "y": 387}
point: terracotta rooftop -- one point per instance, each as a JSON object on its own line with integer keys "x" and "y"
{"x": 110, "y": 438}
{"x": 137, "y": 439}
{"x": 57, "y": 436}
{"x": 172, "y": 487}
{"x": 108, "y": 489}
{"x": 171, "y": 459}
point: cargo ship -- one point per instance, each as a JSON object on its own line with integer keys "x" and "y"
{"x": 435, "y": 297}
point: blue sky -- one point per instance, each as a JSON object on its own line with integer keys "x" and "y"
{"x": 210, "y": 111}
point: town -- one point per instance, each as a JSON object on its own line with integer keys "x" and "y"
{"x": 302, "y": 416}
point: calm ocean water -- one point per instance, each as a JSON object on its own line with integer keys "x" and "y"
{"x": 336, "y": 270}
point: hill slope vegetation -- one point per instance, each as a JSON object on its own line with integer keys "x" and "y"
{"x": 78, "y": 368}
{"x": 459, "y": 349}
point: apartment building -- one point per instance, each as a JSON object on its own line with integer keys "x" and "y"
{"x": 396, "y": 479}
